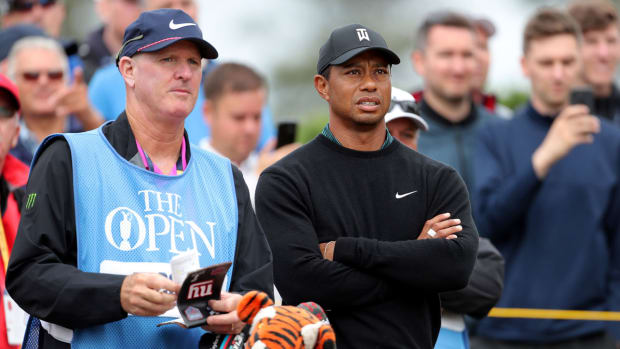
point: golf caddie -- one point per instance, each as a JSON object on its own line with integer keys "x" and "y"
{"x": 109, "y": 208}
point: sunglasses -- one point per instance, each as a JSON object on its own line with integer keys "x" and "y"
{"x": 406, "y": 106}
{"x": 52, "y": 75}
{"x": 25, "y": 6}
{"x": 6, "y": 112}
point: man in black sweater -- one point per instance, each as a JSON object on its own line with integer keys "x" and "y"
{"x": 356, "y": 221}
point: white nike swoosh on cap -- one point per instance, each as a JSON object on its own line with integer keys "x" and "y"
{"x": 175, "y": 26}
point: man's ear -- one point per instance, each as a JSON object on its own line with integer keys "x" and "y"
{"x": 208, "y": 108}
{"x": 15, "y": 136}
{"x": 127, "y": 67}
{"x": 417, "y": 60}
{"x": 524, "y": 67}
{"x": 102, "y": 9}
{"x": 322, "y": 86}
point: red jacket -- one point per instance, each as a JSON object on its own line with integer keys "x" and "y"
{"x": 16, "y": 174}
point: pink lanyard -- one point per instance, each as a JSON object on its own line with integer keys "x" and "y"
{"x": 146, "y": 161}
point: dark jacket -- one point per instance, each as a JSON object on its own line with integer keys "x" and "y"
{"x": 560, "y": 236}
{"x": 453, "y": 144}
{"x": 381, "y": 290}
{"x": 484, "y": 287}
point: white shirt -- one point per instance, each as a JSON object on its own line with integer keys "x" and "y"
{"x": 248, "y": 167}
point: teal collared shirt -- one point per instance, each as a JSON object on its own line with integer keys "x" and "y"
{"x": 328, "y": 133}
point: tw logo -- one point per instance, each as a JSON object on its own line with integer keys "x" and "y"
{"x": 200, "y": 289}
{"x": 362, "y": 34}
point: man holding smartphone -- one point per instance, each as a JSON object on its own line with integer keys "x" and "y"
{"x": 548, "y": 195}
{"x": 235, "y": 97}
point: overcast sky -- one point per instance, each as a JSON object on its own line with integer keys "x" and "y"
{"x": 269, "y": 32}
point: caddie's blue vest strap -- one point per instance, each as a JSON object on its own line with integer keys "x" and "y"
{"x": 450, "y": 339}
{"x": 31, "y": 337}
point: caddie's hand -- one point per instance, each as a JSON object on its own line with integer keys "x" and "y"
{"x": 440, "y": 227}
{"x": 227, "y": 322}
{"x": 572, "y": 127}
{"x": 140, "y": 294}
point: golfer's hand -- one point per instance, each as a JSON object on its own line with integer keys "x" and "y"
{"x": 441, "y": 227}
{"x": 327, "y": 249}
{"x": 140, "y": 294}
{"x": 227, "y": 322}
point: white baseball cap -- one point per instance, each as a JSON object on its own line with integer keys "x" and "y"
{"x": 403, "y": 105}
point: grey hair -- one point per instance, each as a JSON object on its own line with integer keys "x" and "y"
{"x": 37, "y": 42}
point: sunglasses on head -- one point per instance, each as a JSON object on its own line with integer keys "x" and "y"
{"x": 25, "y": 6}
{"x": 406, "y": 106}
{"x": 53, "y": 75}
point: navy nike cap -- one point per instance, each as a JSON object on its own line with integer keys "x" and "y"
{"x": 349, "y": 41}
{"x": 158, "y": 29}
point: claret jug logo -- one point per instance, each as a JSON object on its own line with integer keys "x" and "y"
{"x": 160, "y": 225}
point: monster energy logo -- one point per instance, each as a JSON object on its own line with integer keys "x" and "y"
{"x": 30, "y": 202}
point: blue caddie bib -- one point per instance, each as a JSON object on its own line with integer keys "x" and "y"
{"x": 451, "y": 339}
{"x": 132, "y": 220}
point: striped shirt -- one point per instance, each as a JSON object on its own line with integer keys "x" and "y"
{"x": 328, "y": 133}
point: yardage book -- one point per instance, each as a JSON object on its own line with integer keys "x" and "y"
{"x": 198, "y": 288}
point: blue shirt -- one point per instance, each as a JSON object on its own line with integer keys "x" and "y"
{"x": 560, "y": 236}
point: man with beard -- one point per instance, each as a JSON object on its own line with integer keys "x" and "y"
{"x": 445, "y": 58}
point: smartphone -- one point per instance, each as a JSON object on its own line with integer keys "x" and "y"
{"x": 583, "y": 95}
{"x": 287, "y": 131}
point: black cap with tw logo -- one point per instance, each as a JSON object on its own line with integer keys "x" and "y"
{"x": 347, "y": 42}
{"x": 158, "y": 29}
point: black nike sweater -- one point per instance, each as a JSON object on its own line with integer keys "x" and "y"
{"x": 381, "y": 290}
